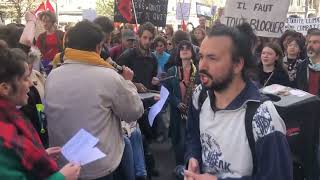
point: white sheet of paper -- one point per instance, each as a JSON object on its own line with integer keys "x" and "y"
{"x": 156, "y": 108}
{"x": 80, "y": 146}
{"x": 91, "y": 155}
{"x": 298, "y": 93}
{"x": 273, "y": 89}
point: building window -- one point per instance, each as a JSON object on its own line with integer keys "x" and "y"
{"x": 312, "y": 4}
{"x": 291, "y": 2}
{"x": 299, "y": 3}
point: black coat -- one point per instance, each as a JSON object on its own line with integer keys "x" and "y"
{"x": 38, "y": 120}
{"x": 279, "y": 76}
{"x": 302, "y": 80}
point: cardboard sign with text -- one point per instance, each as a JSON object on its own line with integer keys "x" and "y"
{"x": 154, "y": 11}
{"x": 303, "y": 25}
{"x": 183, "y": 11}
{"x": 266, "y": 17}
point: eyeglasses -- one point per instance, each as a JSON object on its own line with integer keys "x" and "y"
{"x": 169, "y": 44}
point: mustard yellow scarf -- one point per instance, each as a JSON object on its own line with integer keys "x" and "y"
{"x": 88, "y": 57}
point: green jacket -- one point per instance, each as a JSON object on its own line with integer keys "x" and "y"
{"x": 11, "y": 168}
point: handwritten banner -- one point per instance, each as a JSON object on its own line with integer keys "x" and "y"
{"x": 183, "y": 11}
{"x": 266, "y": 17}
{"x": 205, "y": 10}
{"x": 303, "y": 25}
{"x": 154, "y": 11}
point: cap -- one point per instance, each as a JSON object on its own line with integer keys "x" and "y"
{"x": 128, "y": 34}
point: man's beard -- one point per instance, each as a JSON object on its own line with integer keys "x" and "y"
{"x": 312, "y": 53}
{"x": 144, "y": 48}
{"x": 219, "y": 85}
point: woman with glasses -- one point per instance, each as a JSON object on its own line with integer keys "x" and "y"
{"x": 169, "y": 46}
{"x": 180, "y": 88}
{"x": 294, "y": 56}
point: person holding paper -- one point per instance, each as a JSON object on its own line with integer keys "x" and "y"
{"x": 87, "y": 93}
{"x": 22, "y": 155}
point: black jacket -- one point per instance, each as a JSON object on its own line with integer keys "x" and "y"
{"x": 144, "y": 67}
{"x": 302, "y": 80}
{"x": 38, "y": 120}
{"x": 279, "y": 76}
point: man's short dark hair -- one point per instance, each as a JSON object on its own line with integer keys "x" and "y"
{"x": 246, "y": 28}
{"x": 314, "y": 32}
{"x": 11, "y": 65}
{"x": 105, "y": 23}
{"x": 52, "y": 17}
{"x": 85, "y": 36}
{"x": 148, "y": 26}
{"x": 240, "y": 46}
{"x": 180, "y": 36}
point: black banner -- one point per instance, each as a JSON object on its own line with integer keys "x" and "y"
{"x": 154, "y": 11}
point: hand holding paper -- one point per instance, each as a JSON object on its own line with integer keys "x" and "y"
{"x": 80, "y": 148}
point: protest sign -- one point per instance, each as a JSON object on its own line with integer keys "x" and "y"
{"x": 204, "y": 10}
{"x": 89, "y": 14}
{"x": 183, "y": 11}
{"x": 154, "y": 11}
{"x": 266, "y": 17}
{"x": 303, "y": 25}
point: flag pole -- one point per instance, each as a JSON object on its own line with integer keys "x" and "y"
{"x": 134, "y": 12}
{"x": 57, "y": 12}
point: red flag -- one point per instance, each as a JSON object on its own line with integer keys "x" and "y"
{"x": 184, "y": 26}
{"x": 41, "y": 8}
{"x": 125, "y": 9}
{"x": 49, "y": 6}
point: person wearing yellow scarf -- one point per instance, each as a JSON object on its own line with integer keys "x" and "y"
{"x": 86, "y": 92}
{"x": 87, "y": 57}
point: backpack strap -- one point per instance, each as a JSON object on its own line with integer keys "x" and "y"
{"x": 202, "y": 97}
{"x": 250, "y": 111}
{"x": 61, "y": 57}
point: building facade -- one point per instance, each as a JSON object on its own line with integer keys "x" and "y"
{"x": 299, "y": 8}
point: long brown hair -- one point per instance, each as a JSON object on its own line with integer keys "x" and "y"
{"x": 277, "y": 49}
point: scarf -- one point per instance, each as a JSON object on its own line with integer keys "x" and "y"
{"x": 87, "y": 57}
{"x": 19, "y": 136}
{"x": 187, "y": 81}
{"x": 315, "y": 67}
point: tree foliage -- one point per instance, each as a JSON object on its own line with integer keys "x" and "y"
{"x": 16, "y": 9}
{"x": 105, "y": 7}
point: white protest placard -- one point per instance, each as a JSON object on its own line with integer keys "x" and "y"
{"x": 303, "y": 25}
{"x": 89, "y": 14}
{"x": 183, "y": 11}
{"x": 266, "y": 17}
{"x": 157, "y": 107}
{"x": 205, "y": 10}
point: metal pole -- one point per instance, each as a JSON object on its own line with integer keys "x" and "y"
{"x": 57, "y": 12}
{"x": 134, "y": 11}
{"x": 306, "y": 8}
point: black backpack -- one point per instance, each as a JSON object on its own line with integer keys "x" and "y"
{"x": 251, "y": 110}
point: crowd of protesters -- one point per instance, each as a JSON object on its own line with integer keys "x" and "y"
{"x": 91, "y": 77}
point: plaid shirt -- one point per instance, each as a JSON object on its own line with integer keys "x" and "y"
{"x": 20, "y": 136}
